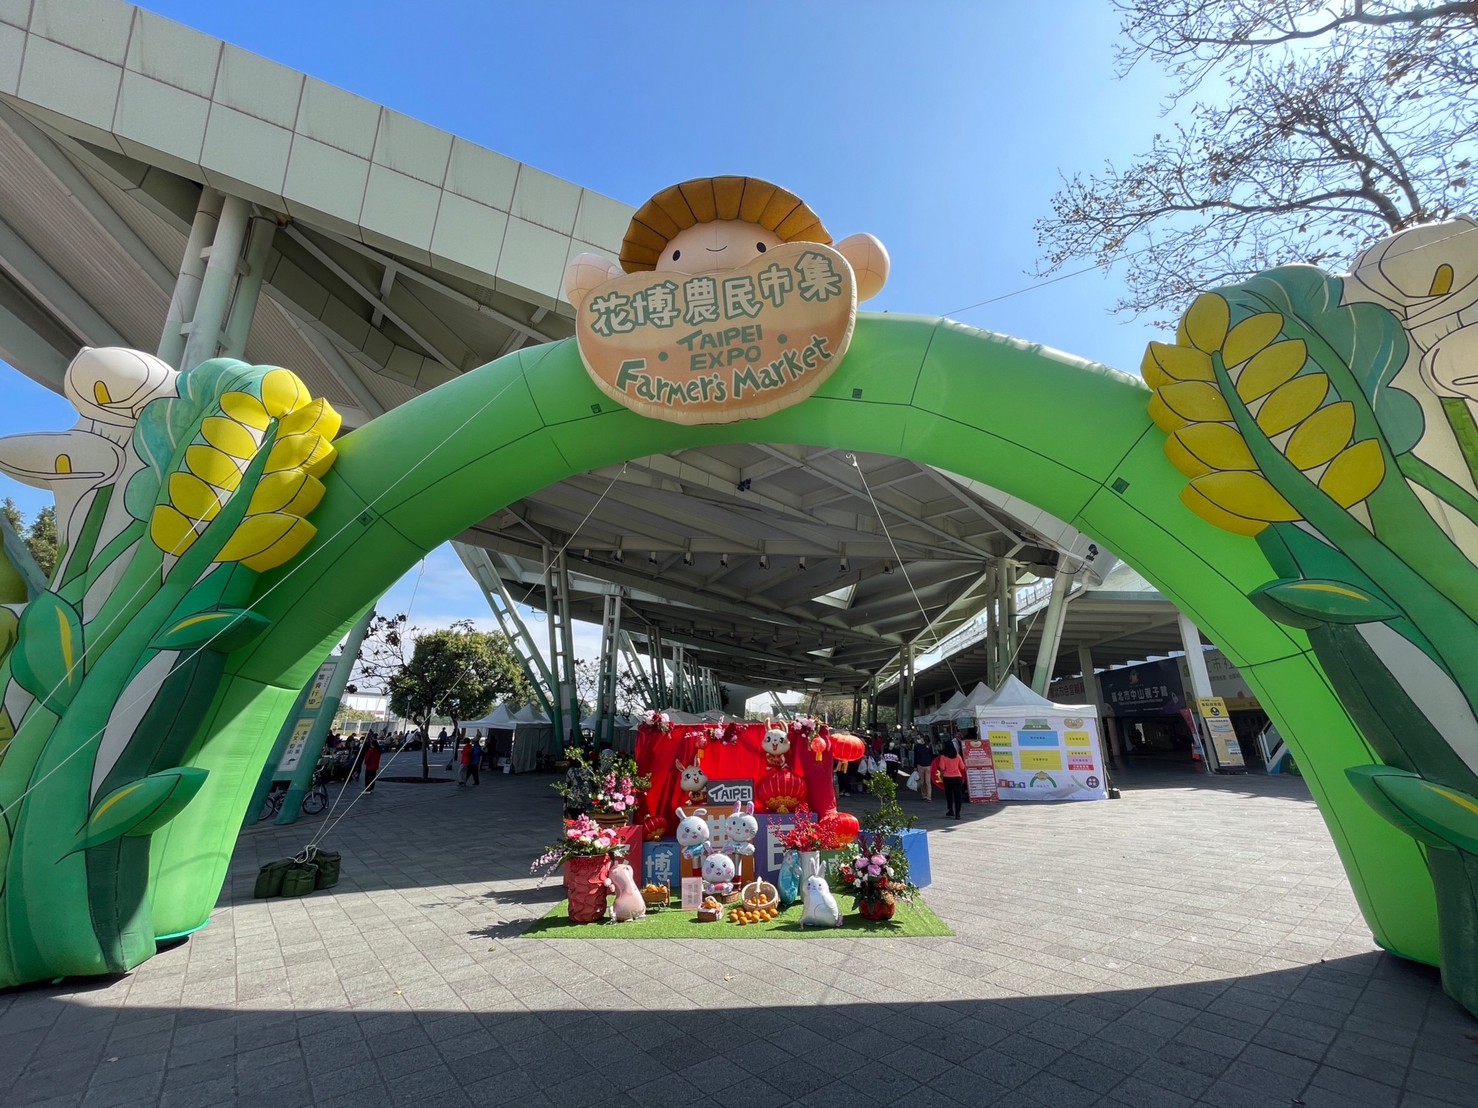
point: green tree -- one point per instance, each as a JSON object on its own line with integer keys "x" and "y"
{"x": 1299, "y": 131}
{"x": 352, "y": 715}
{"x": 42, "y": 541}
{"x": 40, "y": 536}
{"x": 458, "y": 673}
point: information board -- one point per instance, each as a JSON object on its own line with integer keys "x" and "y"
{"x": 980, "y": 772}
{"x": 1045, "y": 757}
{"x": 1224, "y": 742}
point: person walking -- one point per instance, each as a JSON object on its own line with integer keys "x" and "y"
{"x": 951, "y": 770}
{"x": 465, "y": 760}
{"x": 371, "y": 763}
{"x": 474, "y": 762}
{"x": 923, "y": 761}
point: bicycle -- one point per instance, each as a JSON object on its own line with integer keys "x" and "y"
{"x": 315, "y": 799}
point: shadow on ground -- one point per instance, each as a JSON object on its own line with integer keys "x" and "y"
{"x": 1306, "y": 1037}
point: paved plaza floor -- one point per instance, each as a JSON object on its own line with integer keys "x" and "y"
{"x": 1193, "y": 943}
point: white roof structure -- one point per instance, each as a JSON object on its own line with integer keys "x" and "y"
{"x": 393, "y": 256}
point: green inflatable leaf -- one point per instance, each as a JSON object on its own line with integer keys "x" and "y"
{"x": 9, "y": 630}
{"x": 1367, "y": 338}
{"x": 1302, "y": 602}
{"x": 141, "y": 807}
{"x": 47, "y": 660}
{"x": 1437, "y": 815}
{"x": 222, "y": 630}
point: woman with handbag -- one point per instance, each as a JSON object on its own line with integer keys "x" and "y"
{"x": 949, "y": 770}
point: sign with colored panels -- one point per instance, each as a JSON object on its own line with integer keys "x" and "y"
{"x": 1057, "y": 757}
{"x": 721, "y": 347}
{"x": 1224, "y": 745}
{"x": 980, "y": 772}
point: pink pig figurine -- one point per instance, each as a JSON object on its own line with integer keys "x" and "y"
{"x": 628, "y": 904}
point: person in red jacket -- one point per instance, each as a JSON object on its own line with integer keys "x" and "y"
{"x": 949, "y": 767}
{"x": 371, "y": 764}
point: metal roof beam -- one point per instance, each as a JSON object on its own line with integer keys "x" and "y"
{"x": 32, "y": 273}
{"x": 369, "y": 296}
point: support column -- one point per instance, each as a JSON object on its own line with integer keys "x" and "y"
{"x": 1093, "y": 694}
{"x": 326, "y": 709}
{"x": 658, "y": 655}
{"x": 564, "y": 665}
{"x": 610, "y": 652}
{"x": 480, "y": 565}
{"x": 905, "y": 688}
{"x": 215, "y": 287}
{"x": 551, "y": 620}
{"x": 192, "y": 271}
{"x": 248, "y": 288}
{"x": 1056, "y": 616}
{"x": 1195, "y": 657}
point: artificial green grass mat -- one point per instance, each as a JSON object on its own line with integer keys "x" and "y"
{"x": 908, "y": 922}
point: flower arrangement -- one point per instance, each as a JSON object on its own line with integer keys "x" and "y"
{"x": 583, "y": 838}
{"x": 609, "y": 786}
{"x": 660, "y": 720}
{"x": 875, "y": 869}
{"x": 875, "y": 866}
{"x": 809, "y": 833}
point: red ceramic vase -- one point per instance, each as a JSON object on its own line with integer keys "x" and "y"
{"x": 585, "y": 885}
{"x": 876, "y": 910}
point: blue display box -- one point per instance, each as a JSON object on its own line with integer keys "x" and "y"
{"x": 916, "y": 850}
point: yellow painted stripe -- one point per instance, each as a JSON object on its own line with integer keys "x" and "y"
{"x": 114, "y": 799}
{"x": 65, "y": 630}
{"x": 193, "y": 620}
{"x": 1351, "y": 593}
{"x": 1461, "y": 801}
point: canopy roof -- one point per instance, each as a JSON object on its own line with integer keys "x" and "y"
{"x": 399, "y": 257}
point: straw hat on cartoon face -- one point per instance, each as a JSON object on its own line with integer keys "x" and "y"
{"x": 715, "y": 224}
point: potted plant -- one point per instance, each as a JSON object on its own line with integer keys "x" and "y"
{"x": 585, "y": 851}
{"x": 607, "y": 789}
{"x": 875, "y": 867}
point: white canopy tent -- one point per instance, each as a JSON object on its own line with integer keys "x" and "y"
{"x": 944, "y": 712}
{"x": 1042, "y": 750}
{"x": 964, "y": 715}
{"x": 624, "y": 731}
{"x": 520, "y": 736}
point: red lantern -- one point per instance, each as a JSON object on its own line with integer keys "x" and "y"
{"x": 845, "y": 825}
{"x": 781, "y": 791}
{"x": 847, "y": 748}
{"x": 653, "y": 827}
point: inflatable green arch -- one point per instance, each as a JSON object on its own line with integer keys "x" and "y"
{"x": 926, "y": 389}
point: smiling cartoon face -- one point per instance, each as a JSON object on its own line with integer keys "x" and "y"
{"x": 716, "y": 246}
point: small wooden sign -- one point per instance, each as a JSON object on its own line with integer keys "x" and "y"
{"x": 721, "y": 347}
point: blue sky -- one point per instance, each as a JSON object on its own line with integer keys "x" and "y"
{"x": 939, "y": 127}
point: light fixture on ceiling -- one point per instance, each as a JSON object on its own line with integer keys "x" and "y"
{"x": 652, "y": 556}
{"x": 764, "y": 561}
{"x": 688, "y": 558}
{"x": 723, "y": 560}
{"x": 846, "y": 565}
{"x": 887, "y": 567}
{"x": 800, "y": 562}
{"x": 617, "y": 557}
{"x": 585, "y": 554}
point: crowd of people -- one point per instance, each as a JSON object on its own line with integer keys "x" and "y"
{"x": 358, "y": 758}
{"x": 937, "y": 762}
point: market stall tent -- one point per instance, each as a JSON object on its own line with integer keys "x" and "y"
{"x": 964, "y": 715}
{"x": 1042, "y": 750}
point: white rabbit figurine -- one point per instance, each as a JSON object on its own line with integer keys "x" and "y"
{"x": 628, "y": 904}
{"x": 741, "y": 828}
{"x": 694, "y": 782}
{"x": 818, "y": 906}
{"x": 692, "y": 832}
{"x": 718, "y": 872}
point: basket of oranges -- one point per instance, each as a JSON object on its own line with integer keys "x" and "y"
{"x": 656, "y": 897}
{"x": 760, "y": 904}
{"x": 710, "y": 911}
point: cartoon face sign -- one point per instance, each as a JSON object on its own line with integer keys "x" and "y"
{"x": 776, "y": 741}
{"x": 713, "y": 247}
